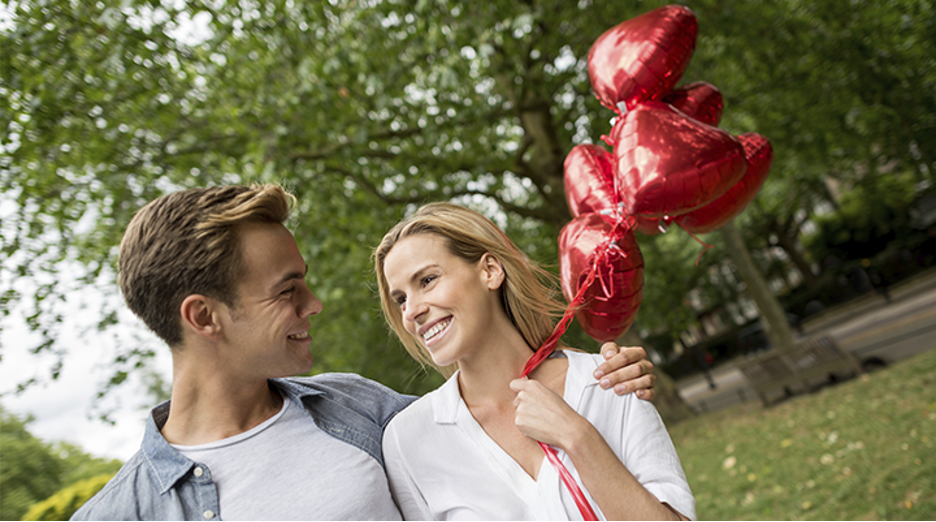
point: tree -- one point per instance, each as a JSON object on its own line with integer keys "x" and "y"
{"x": 31, "y": 470}
{"x": 366, "y": 109}
{"x": 63, "y": 504}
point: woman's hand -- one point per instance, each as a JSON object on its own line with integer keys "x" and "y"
{"x": 543, "y": 415}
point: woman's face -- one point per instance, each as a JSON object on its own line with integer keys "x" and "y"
{"x": 447, "y": 303}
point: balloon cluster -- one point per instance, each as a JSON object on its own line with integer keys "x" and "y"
{"x": 670, "y": 163}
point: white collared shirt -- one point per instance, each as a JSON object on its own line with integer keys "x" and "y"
{"x": 443, "y": 466}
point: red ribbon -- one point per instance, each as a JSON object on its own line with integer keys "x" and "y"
{"x": 549, "y": 346}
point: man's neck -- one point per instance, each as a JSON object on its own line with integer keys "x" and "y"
{"x": 208, "y": 406}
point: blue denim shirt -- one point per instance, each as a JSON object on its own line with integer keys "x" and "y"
{"x": 158, "y": 483}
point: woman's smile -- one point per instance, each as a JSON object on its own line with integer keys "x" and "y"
{"x": 435, "y": 331}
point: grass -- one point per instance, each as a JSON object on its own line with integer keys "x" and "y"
{"x": 860, "y": 450}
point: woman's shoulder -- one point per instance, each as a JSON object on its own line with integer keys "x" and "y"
{"x": 427, "y": 408}
{"x": 581, "y": 377}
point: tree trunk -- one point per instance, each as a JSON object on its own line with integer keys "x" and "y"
{"x": 772, "y": 314}
{"x": 671, "y": 406}
{"x": 788, "y": 244}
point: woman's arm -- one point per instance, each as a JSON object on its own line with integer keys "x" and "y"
{"x": 542, "y": 415}
{"x": 403, "y": 488}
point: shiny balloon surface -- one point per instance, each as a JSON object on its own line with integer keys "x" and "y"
{"x": 589, "y": 180}
{"x": 613, "y": 298}
{"x": 642, "y": 58}
{"x": 700, "y": 100}
{"x": 759, "y": 155}
{"x": 668, "y": 164}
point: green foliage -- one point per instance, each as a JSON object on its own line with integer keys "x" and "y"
{"x": 367, "y": 109}
{"x": 62, "y": 505}
{"x": 861, "y": 450}
{"x": 31, "y": 470}
{"x": 871, "y": 216}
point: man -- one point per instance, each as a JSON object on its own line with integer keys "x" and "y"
{"x": 216, "y": 275}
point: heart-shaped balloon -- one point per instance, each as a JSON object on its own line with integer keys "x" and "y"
{"x": 589, "y": 180}
{"x": 700, "y": 100}
{"x": 652, "y": 226}
{"x": 759, "y": 155}
{"x": 668, "y": 164}
{"x": 642, "y": 58}
{"x": 614, "y": 296}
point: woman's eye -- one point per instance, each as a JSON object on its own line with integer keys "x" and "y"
{"x": 400, "y": 301}
{"x": 428, "y": 279}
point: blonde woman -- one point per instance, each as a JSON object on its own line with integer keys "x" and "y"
{"x": 463, "y": 299}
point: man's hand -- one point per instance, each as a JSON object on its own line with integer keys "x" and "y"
{"x": 627, "y": 370}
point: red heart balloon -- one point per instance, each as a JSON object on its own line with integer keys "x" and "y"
{"x": 669, "y": 164}
{"x": 613, "y": 298}
{"x": 589, "y": 180}
{"x": 700, "y": 100}
{"x": 759, "y": 156}
{"x": 642, "y": 58}
{"x": 652, "y": 226}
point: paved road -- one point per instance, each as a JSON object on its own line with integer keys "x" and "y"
{"x": 888, "y": 329}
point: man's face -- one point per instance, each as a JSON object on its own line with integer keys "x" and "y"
{"x": 267, "y": 333}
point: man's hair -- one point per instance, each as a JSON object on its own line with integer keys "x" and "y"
{"x": 187, "y": 243}
{"x": 527, "y": 293}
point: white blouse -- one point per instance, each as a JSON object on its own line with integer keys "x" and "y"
{"x": 443, "y": 466}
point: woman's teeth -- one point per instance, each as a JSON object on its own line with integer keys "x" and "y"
{"x": 435, "y": 330}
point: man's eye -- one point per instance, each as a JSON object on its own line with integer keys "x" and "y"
{"x": 288, "y": 291}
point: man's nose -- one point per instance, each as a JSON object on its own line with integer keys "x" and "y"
{"x": 310, "y": 304}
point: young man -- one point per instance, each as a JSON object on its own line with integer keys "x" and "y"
{"x": 216, "y": 275}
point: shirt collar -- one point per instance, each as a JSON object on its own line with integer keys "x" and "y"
{"x": 445, "y": 401}
{"x": 167, "y": 464}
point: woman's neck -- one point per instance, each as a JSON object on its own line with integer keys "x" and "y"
{"x": 485, "y": 375}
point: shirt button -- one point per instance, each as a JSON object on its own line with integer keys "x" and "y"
{"x": 209, "y": 513}
{"x": 199, "y": 472}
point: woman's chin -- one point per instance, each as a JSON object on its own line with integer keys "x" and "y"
{"x": 441, "y": 359}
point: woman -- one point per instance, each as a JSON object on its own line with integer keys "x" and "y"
{"x": 459, "y": 294}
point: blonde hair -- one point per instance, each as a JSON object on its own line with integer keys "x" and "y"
{"x": 187, "y": 243}
{"x": 527, "y": 292}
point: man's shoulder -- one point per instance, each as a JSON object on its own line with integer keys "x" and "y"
{"x": 348, "y": 391}
{"x": 346, "y": 383}
{"x": 117, "y": 500}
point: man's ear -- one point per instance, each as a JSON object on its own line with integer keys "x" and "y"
{"x": 199, "y": 315}
{"x": 494, "y": 273}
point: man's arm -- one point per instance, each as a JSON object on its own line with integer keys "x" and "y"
{"x": 628, "y": 370}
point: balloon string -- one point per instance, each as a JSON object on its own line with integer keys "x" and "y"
{"x": 601, "y": 253}
{"x": 703, "y": 243}
{"x": 584, "y": 507}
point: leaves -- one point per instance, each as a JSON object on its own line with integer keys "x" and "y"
{"x": 367, "y": 109}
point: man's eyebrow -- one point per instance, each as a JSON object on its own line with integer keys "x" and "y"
{"x": 292, "y": 276}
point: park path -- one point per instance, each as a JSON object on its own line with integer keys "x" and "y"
{"x": 889, "y": 328}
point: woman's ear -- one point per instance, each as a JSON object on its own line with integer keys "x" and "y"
{"x": 199, "y": 317}
{"x": 494, "y": 273}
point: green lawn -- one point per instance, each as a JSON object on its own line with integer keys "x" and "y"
{"x": 861, "y": 450}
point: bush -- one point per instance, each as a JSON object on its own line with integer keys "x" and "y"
{"x": 62, "y": 505}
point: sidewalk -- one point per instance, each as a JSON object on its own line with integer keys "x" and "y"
{"x": 870, "y": 325}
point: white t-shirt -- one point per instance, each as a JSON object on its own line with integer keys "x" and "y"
{"x": 443, "y": 466}
{"x": 289, "y": 469}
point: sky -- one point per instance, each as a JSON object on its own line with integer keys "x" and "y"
{"x": 65, "y": 409}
